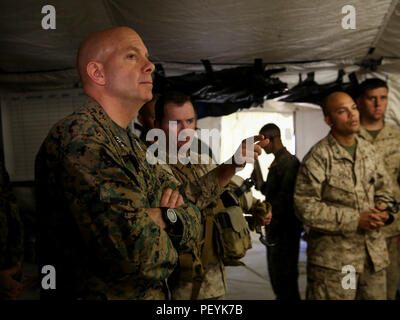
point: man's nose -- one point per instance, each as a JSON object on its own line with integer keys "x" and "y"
{"x": 352, "y": 113}
{"x": 185, "y": 125}
{"x": 148, "y": 66}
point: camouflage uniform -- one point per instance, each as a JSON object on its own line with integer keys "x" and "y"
{"x": 11, "y": 228}
{"x": 213, "y": 282}
{"x": 213, "y": 285}
{"x": 93, "y": 185}
{"x": 331, "y": 191}
{"x": 285, "y": 228}
{"x": 387, "y": 144}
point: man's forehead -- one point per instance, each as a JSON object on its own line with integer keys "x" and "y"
{"x": 338, "y": 100}
{"x": 136, "y": 46}
{"x": 130, "y": 40}
{"x": 376, "y": 91}
{"x": 345, "y": 103}
{"x": 179, "y": 112}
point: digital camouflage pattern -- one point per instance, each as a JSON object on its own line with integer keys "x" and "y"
{"x": 213, "y": 285}
{"x": 326, "y": 284}
{"x": 331, "y": 191}
{"x": 387, "y": 144}
{"x": 93, "y": 187}
{"x": 11, "y": 227}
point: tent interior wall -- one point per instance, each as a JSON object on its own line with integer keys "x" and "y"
{"x": 39, "y": 82}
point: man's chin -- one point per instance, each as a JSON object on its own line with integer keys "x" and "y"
{"x": 148, "y": 97}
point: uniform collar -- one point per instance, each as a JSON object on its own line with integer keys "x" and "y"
{"x": 340, "y": 153}
{"x": 383, "y": 134}
{"x": 113, "y": 131}
{"x": 280, "y": 153}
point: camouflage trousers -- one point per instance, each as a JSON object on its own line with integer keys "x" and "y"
{"x": 393, "y": 270}
{"x": 326, "y": 284}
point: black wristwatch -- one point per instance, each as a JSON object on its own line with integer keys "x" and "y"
{"x": 170, "y": 217}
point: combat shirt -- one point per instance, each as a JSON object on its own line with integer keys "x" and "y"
{"x": 331, "y": 191}
{"x": 214, "y": 280}
{"x": 92, "y": 191}
{"x": 387, "y": 144}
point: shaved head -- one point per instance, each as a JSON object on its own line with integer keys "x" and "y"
{"x": 341, "y": 114}
{"x": 116, "y": 71}
{"x": 98, "y": 46}
{"x": 334, "y": 99}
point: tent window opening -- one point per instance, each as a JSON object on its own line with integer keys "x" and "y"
{"x": 243, "y": 124}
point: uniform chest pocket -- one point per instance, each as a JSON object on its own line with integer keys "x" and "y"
{"x": 123, "y": 197}
{"x": 339, "y": 189}
{"x": 343, "y": 183}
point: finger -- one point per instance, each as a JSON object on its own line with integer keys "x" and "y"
{"x": 374, "y": 218}
{"x": 385, "y": 216}
{"x": 180, "y": 201}
{"x": 258, "y": 137}
{"x": 257, "y": 149}
{"x": 374, "y": 210}
{"x": 173, "y": 199}
{"x": 263, "y": 143}
{"x": 379, "y": 217}
{"x": 377, "y": 223}
{"x": 165, "y": 197}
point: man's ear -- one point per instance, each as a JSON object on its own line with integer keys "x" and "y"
{"x": 95, "y": 71}
{"x": 328, "y": 121}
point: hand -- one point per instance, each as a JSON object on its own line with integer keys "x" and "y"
{"x": 156, "y": 215}
{"x": 370, "y": 221}
{"x": 10, "y": 288}
{"x": 249, "y": 152}
{"x": 268, "y": 219}
{"x": 382, "y": 215}
{"x": 227, "y": 170}
{"x": 171, "y": 199}
{"x": 265, "y": 221}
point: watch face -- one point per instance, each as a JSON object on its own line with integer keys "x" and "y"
{"x": 171, "y": 214}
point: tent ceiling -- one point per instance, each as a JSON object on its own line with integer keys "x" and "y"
{"x": 225, "y": 31}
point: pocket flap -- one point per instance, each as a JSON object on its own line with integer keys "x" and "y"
{"x": 237, "y": 218}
